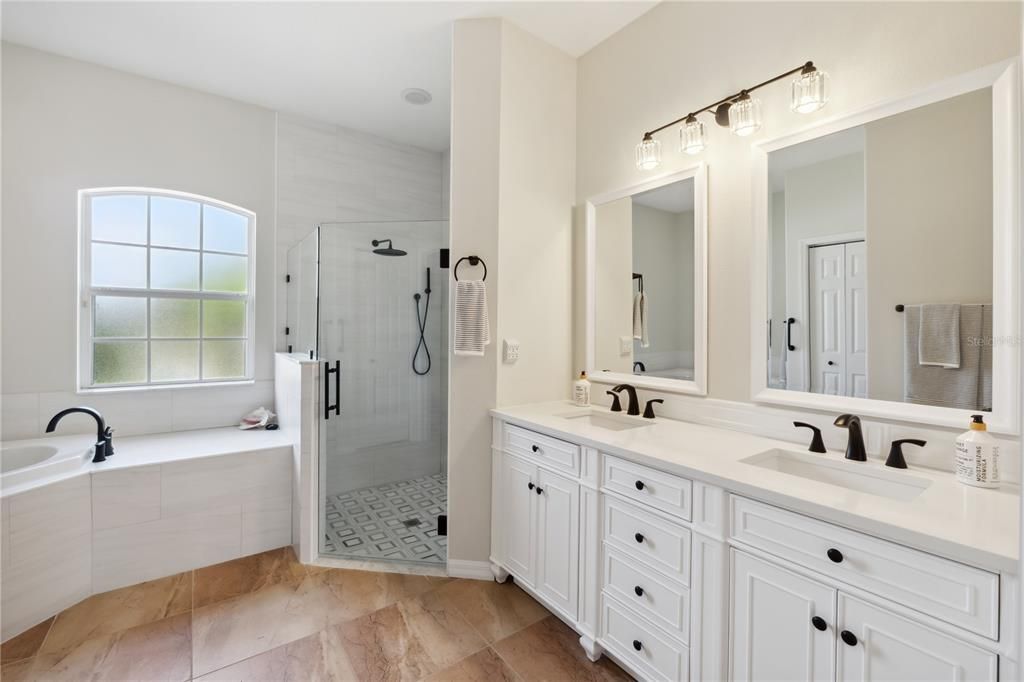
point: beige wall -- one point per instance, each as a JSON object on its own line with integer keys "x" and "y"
{"x": 929, "y": 216}
{"x": 613, "y": 256}
{"x": 512, "y": 176}
{"x": 872, "y": 51}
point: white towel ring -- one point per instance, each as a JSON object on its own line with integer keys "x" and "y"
{"x": 473, "y": 260}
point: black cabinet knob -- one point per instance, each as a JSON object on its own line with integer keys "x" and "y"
{"x": 849, "y": 638}
{"x": 639, "y": 537}
{"x": 539, "y": 490}
{"x": 834, "y": 555}
{"x": 637, "y": 645}
{"x": 639, "y": 485}
{"x": 639, "y": 591}
{"x": 831, "y": 363}
{"x": 535, "y": 448}
{"x": 819, "y": 623}
{"x": 530, "y": 485}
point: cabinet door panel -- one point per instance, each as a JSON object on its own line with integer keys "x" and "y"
{"x": 558, "y": 538}
{"x": 890, "y": 647}
{"x": 773, "y": 637}
{"x": 518, "y": 479}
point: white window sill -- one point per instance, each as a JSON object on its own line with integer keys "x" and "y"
{"x": 163, "y": 387}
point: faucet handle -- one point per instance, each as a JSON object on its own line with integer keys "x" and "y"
{"x": 108, "y": 434}
{"x": 895, "y": 458}
{"x": 817, "y": 444}
{"x": 616, "y": 406}
{"x": 649, "y": 408}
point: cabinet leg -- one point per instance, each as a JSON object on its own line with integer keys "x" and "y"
{"x": 499, "y": 573}
{"x": 591, "y": 648}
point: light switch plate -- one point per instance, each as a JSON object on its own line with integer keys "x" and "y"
{"x": 625, "y": 345}
{"x": 511, "y": 351}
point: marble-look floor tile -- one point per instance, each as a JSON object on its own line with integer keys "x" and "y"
{"x": 26, "y": 644}
{"x": 229, "y": 631}
{"x": 117, "y": 610}
{"x": 408, "y": 640}
{"x": 19, "y": 671}
{"x": 317, "y": 657}
{"x": 483, "y": 666}
{"x": 495, "y": 610}
{"x": 242, "y": 576}
{"x": 154, "y": 651}
{"x": 550, "y": 650}
{"x": 362, "y": 592}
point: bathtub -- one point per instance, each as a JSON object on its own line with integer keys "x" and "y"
{"x": 25, "y": 463}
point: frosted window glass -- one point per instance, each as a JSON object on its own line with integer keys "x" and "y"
{"x": 119, "y": 362}
{"x": 174, "y": 360}
{"x": 174, "y": 222}
{"x": 223, "y": 359}
{"x": 120, "y": 316}
{"x": 119, "y": 218}
{"x": 224, "y": 230}
{"x": 223, "y": 318}
{"x": 174, "y": 317}
{"x": 118, "y": 266}
{"x": 225, "y": 273}
{"x": 174, "y": 269}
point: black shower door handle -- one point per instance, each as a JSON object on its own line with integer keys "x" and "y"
{"x": 789, "y": 333}
{"x": 328, "y": 371}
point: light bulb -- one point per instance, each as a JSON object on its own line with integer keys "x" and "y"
{"x": 745, "y": 115}
{"x": 810, "y": 90}
{"x": 692, "y": 136}
{"x": 648, "y": 153}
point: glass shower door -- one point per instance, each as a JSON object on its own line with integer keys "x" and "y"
{"x": 382, "y": 319}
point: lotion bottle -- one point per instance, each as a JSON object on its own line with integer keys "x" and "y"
{"x": 581, "y": 391}
{"x": 977, "y": 456}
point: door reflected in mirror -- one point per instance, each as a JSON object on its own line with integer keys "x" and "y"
{"x": 881, "y": 258}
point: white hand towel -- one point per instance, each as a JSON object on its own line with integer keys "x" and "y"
{"x": 638, "y": 324}
{"x": 645, "y": 342}
{"x": 472, "y": 326}
{"x": 939, "y": 336}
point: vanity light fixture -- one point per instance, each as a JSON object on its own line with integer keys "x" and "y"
{"x": 739, "y": 112}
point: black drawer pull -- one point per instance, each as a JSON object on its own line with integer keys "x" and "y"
{"x": 637, "y": 645}
{"x": 639, "y": 537}
{"x": 530, "y": 485}
{"x": 819, "y": 623}
{"x": 535, "y": 448}
{"x": 835, "y": 555}
{"x": 848, "y": 637}
{"x": 639, "y": 485}
{"x": 639, "y": 591}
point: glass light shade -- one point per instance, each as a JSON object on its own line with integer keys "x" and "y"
{"x": 648, "y": 154}
{"x": 745, "y": 116}
{"x": 810, "y": 92}
{"x": 692, "y": 138}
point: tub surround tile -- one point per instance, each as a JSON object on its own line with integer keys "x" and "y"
{"x": 19, "y": 416}
{"x": 320, "y": 656}
{"x": 123, "y": 497}
{"x": 495, "y": 610}
{"x": 550, "y": 650}
{"x": 266, "y": 523}
{"x": 26, "y": 644}
{"x": 246, "y": 575}
{"x": 483, "y": 665}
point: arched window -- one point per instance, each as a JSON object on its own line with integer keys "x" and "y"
{"x": 166, "y": 289}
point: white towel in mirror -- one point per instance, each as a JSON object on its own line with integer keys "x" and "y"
{"x": 640, "y": 319}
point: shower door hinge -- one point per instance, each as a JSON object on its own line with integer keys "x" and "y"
{"x": 287, "y": 278}
{"x": 289, "y": 348}
{"x": 442, "y": 524}
{"x": 287, "y": 331}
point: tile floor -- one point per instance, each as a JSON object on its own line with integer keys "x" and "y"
{"x": 390, "y": 521}
{"x": 267, "y": 617}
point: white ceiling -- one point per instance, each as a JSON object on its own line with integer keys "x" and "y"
{"x": 781, "y": 161}
{"x": 340, "y": 62}
{"x": 674, "y": 198}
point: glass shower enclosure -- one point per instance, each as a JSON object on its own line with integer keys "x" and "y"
{"x": 370, "y": 301}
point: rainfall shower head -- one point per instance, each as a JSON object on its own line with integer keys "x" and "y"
{"x": 386, "y": 251}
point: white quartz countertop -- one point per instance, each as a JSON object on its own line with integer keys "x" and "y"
{"x": 974, "y": 525}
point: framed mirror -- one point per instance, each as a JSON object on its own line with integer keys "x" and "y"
{"x": 887, "y": 264}
{"x": 646, "y": 308}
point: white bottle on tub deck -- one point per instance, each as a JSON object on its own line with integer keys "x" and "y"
{"x": 581, "y": 391}
{"x": 977, "y": 456}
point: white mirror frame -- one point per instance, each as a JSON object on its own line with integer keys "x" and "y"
{"x": 698, "y": 386}
{"x": 1005, "y": 418}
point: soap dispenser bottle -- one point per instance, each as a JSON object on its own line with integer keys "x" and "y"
{"x": 581, "y": 391}
{"x": 977, "y": 456}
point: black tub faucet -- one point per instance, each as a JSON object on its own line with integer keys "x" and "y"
{"x": 634, "y": 404}
{"x": 855, "y": 443}
{"x": 104, "y": 434}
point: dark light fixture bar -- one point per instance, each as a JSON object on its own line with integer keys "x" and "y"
{"x": 739, "y": 111}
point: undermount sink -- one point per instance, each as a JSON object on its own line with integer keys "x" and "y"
{"x": 607, "y": 421}
{"x": 859, "y": 476}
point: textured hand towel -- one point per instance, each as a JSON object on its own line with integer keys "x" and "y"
{"x": 640, "y": 319}
{"x": 970, "y": 386}
{"x": 472, "y": 326}
{"x": 939, "y": 335}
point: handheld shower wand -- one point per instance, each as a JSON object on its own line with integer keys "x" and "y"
{"x": 421, "y": 322}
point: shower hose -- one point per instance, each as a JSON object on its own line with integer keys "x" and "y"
{"x": 421, "y": 322}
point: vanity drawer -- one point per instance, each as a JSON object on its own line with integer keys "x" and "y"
{"x": 662, "y": 601}
{"x": 640, "y": 645}
{"x": 648, "y": 486}
{"x": 648, "y": 538}
{"x": 555, "y": 453}
{"x": 959, "y": 594}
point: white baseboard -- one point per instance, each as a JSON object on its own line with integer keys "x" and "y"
{"x": 474, "y": 570}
